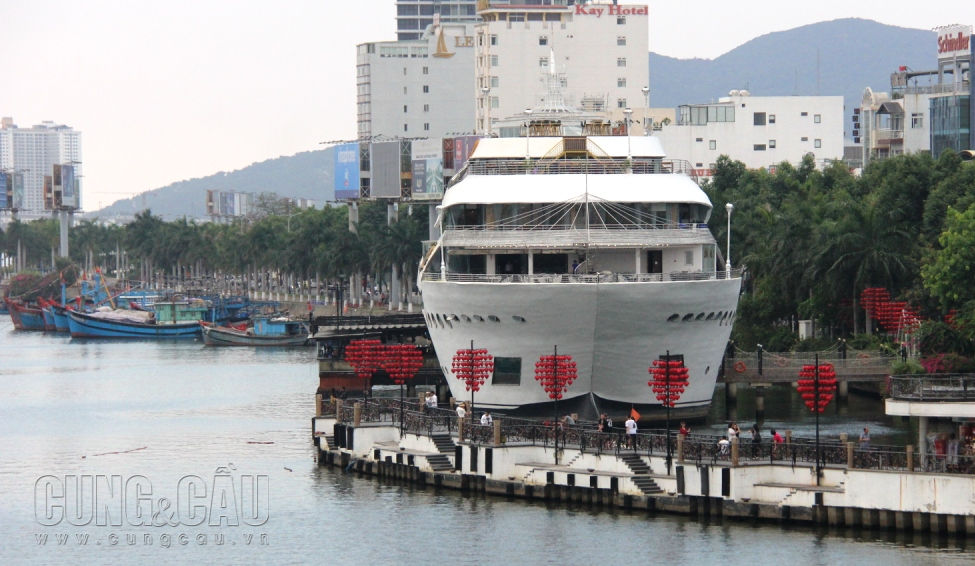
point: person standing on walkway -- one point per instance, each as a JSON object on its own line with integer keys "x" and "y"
{"x": 865, "y": 438}
{"x": 756, "y": 439}
{"x": 631, "y": 429}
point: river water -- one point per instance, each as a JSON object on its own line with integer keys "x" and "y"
{"x": 211, "y": 449}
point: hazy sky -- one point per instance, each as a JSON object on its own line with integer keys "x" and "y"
{"x": 172, "y": 90}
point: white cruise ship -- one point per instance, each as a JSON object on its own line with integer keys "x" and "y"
{"x": 594, "y": 244}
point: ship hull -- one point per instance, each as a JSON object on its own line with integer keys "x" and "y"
{"x": 86, "y": 326}
{"x": 216, "y": 336}
{"x": 613, "y": 331}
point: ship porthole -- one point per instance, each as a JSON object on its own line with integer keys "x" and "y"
{"x": 710, "y": 316}
{"x": 518, "y": 318}
{"x": 700, "y": 316}
{"x": 478, "y": 318}
{"x": 688, "y": 317}
{"x": 493, "y": 318}
{"x": 673, "y": 318}
{"x": 439, "y": 322}
{"x": 465, "y": 317}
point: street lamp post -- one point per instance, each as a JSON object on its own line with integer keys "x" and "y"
{"x": 647, "y": 120}
{"x": 486, "y": 91}
{"x": 727, "y": 259}
{"x": 528, "y": 132}
{"x": 627, "y": 112}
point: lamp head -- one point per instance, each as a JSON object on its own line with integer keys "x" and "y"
{"x": 729, "y": 207}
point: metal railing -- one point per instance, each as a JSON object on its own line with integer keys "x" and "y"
{"x": 576, "y": 166}
{"x": 695, "y": 448}
{"x": 604, "y": 277}
{"x": 933, "y": 387}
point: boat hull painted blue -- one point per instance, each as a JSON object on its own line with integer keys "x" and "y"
{"x": 86, "y": 326}
{"x": 60, "y": 319}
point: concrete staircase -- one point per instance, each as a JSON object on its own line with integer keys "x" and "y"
{"x": 445, "y": 445}
{"x": 641, "y": 474}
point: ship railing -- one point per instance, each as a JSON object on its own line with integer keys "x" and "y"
{"x": 613, "y": 227}
{"x": 601, "y": 277}
{"x": 933, "y": 387}
{"x": 577, "y": 166}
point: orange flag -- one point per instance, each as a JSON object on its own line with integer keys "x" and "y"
{"x": 634, "y": 414}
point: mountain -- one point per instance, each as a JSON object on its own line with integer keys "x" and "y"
{"x": 839, "y": 57}
{"x": 304, "y": 175}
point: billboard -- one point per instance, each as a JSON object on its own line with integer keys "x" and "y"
{"x": 226, "y": 204}
{"x": 3, "y": 190}
{"x": 347, "y": 171}
{"x": 463, "y": 147}
{"x": 18, "y": 182}
{"x": 69, "y": 187}
{"x": 953, "y": 41}
{"x": 385, "y": 170}
{"x": 427, "y": 159}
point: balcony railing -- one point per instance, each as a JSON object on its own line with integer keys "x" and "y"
{"x": 939, "y": 387}
{"x": 591, "y": 278}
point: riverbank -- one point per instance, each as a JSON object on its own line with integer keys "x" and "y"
{"x": 779, "y": 491}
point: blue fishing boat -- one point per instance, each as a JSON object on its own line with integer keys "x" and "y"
{"x": 24, "y": 317}
{"x": 277, "y": 331}
{"x": 60, "y": 318}
{"x": 172, "y": 319}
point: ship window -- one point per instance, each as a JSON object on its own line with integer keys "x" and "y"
{"x": 439, "y": 322}
{"x": 687, "y": 317}
{"x": 518, "y": 318}
{"x": 759, "y": 118}
{"x": 478, "y": 318}
{"x": 507, "y": 371}
{"x": 710, "y": 316}
{"x": 465, "y": 317}
{"x": 493, "y": 318}
{"x": 673, "y": 317}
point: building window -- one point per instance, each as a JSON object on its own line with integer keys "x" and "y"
{"x": 543, "y": 62}
{"x": 804, "y": 138}
{"x": 818, "y": 143}
{"x": 917, "y": 120}
{"x": 426, "y": 126}
{"x": 494, "y": 60}
{"x": 621, "y": 103}
{"x": 621, "y": 82}
{"x": 698, "y": 140}
{"x": 404, "y": 109}
{"x": 621, "y": 62}
{"x": 426, "y": 107}
{"x": 759, "y": 147}
{"x": 543, "y": 40}
{"x": 771, "y": 144}
{"x": 712, "y": 144}
{"x": 759, "y": 118}
{"x": 771, "y": 118}
{"x": 688, "y": 258}
{"x": 817, "y": 118}
{"x": 426, "y": 89}
{"x": 621, "y": 40}
{"x": 404, "y": 71}
{"x": 804, "y": 113}
{"x": 495, "y": 82}
{"x": 406, "y": 128}
{"x": 621, "y": 20}
{"x": 495, "y": 102}
{"x": 494, "y": 40}
{"x": 426, "y": 70}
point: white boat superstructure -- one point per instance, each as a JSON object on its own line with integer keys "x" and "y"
{"x": 595, "y": 244}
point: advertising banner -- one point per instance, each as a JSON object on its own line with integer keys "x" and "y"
{"x": 953, "y": 41}
{"x": 385, "y": 171}
{"x": 69, "y": 187}
{"x": 3, "y": 190}
{"x": 427, "y": 169}
{"x": 347, "y": 171}
{"x": 18, "y": 181}
{"x": 463, "y": 147}
{"x": 226, "y": 204}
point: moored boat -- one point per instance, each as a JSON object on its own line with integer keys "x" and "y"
{"x": 172, "y": 319}
{"x": 24, "y": 317}
{"x": 277, "y": 331}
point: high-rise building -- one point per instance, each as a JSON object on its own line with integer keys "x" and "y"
{"x": 419, "y": 87}
{"x": 32, "y": 153}
{"x": 598, "y": 50}
{"x": 415, "y": 16}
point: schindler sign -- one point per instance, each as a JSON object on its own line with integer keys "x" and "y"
{"x": 953, "y": 41}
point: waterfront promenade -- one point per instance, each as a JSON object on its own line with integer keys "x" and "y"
{"x": 883, "y": 487}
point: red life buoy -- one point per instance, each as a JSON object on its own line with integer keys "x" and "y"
{"x": 740, "y": 367}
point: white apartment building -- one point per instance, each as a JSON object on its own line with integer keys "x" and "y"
{"x": 413, "y": 17}
{"x": 759, "y": 131}
{"x": 600, "y": 51}
{"x": 417, "y": 88}
{"x": 32, "y": 152}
